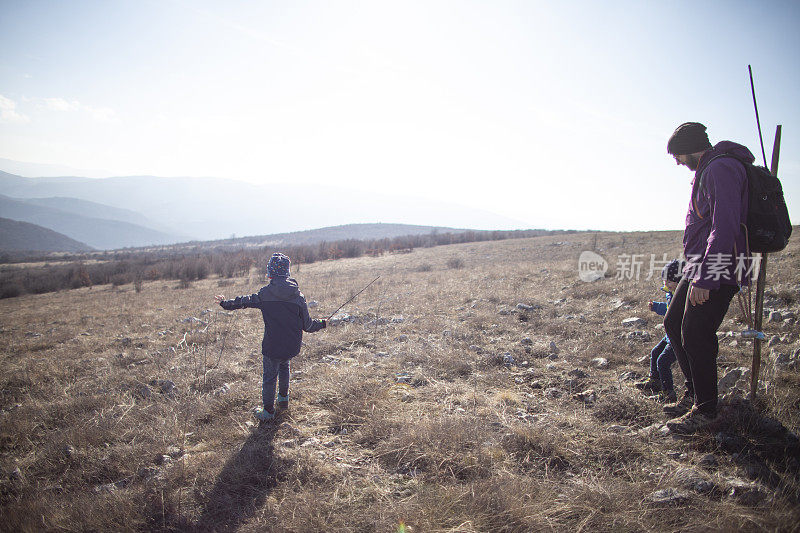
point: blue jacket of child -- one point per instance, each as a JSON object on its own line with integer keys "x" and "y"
{"x": 285, "y": 314}
{"x": 660, "y": 308}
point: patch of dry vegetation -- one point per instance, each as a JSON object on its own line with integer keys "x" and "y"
{"x": 441, "y": 405}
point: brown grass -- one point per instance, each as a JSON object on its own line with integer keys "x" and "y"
{"x": 420, "y": 421}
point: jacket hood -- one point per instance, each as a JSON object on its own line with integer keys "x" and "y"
{"x": 730, "y": 147}
{"x": 285, "y": 289}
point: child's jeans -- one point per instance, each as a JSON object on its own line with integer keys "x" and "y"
{"x": 661, "y": 359}
{"x": 274, "y": 371}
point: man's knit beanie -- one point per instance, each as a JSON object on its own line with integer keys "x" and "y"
{"x": 278, "y": 266}
{"x": 673, "y": 271}
{"x": 688, "y": 138}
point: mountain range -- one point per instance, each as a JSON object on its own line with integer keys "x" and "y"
{"x": 18, "y": 236}
{"x": 149, "y": 210}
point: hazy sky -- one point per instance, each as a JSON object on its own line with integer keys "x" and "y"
{"x": 552, "y": 113}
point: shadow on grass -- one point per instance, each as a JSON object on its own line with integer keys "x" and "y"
{"x": 243, "y": 484}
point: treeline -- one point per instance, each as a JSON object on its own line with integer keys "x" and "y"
{"x": 124, "y": 267}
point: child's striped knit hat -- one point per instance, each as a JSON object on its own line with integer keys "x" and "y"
{"x": 278, "y": 266}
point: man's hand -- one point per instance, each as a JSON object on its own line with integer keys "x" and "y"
{"x": 698, "y": 296}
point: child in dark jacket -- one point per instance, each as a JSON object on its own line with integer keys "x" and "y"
{"x": 662, "y": 355}
{"x": 286, "y": 317}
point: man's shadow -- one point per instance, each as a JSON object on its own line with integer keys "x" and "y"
{"x": 243, "y": 484}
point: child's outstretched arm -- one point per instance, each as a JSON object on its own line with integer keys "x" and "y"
{"x": 240, "y": 302}
{"x": 310, "y": 325}
{"x": 659, "y": 308}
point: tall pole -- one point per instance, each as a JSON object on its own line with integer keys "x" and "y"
{"x": 761, "y": 284}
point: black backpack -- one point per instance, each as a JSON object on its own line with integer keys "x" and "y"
{"x": 768, "y": 225}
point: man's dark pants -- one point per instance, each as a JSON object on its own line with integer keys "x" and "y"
{"x": 693, "y": 333}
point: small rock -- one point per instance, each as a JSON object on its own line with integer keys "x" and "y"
{"x": 166, "y": 386}
{"x": 397, "y": 320}
{"x": 526, "y": 341}
{"x": 15, "y": 474}
{"x": 729, "y": 380}
{"x": 630, "y": 375}
{"x": 775, "y": 316}
{"x": 709, "y": 461}
{"x": 339, "y": 318}
{"x": 638, "y": 335}
{"x": 202, "y": 313}
{"x": 69, "y": 451}
{"x": 669, "y": 497}
{"x": 746, "y": 493}
{"x": 403, "y": 377}
{"x": 577, "y": 373}
{"x": 553, "y": 347}
{"x": 402, "y": 338}
{"x": 691, "y": 479}
{"x": 175, "y": 452}
{"x": 729, "y": 442}
{"x": 475, "y": 348}
{"x": 146, "y": 472}
{"x": 313, "y": 304}
{"x": 526, "y": 307}
{"x": 553, "y": 393}
{"x": 224, "y": 389}
{"x": 634, "y": 321}
{"x": 108, "y": 487}
{"x": 382, "y": 354}
{"x": 508, "y": 359}
{"x": 775, "y": 339}
{"x": 616, "y": 428}
{"x": 600, "y": 362}
{"x": 588, "y": 396}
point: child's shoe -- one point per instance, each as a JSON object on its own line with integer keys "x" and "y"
{"x": 262, "y": 414}
{"x": 282, "y": 402}
{"x": 651, "y": 384}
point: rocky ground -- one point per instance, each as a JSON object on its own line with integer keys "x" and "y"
{"x": 474, "y": 387}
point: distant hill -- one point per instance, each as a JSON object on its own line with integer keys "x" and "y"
{"x": 23, "y": 236}
{"x": 99, "y": 233}
{"x": 341, "y": 233}
{"x": 93, "y": 209}
{"x": 213, "y": 208}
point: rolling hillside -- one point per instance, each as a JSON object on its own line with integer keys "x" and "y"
{"x": 96, "y": 232}
{"x": 23, "y": 236}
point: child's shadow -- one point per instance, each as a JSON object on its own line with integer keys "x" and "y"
{"x": 242, "y": 485}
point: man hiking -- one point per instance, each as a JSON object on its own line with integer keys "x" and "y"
{"x": 714, "y": 242}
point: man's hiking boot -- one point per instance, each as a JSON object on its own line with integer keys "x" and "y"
{"x": 263, "y": 415}
{"x": 665, "y": 396}
{"x": 691, "y": 423}
{"x": 681, "y": 407}
{"x": 651, "y": 384}
{"x": 282, "y": 402}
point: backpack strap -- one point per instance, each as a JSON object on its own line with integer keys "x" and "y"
{"x": 699, "y": 181}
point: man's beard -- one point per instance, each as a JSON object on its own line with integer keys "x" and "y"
{"x": 692, "y": 161}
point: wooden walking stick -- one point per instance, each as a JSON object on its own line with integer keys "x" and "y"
{"x": 758, "y": 319}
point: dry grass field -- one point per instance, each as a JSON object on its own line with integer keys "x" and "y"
{"x": 440, "y": 404}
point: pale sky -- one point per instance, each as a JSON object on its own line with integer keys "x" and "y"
{"x": 555, "y": 114}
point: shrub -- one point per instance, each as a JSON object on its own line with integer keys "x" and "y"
{"x": 455, "y": 262}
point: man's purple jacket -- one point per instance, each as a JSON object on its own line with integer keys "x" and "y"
{"x": 714, "y": 235}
